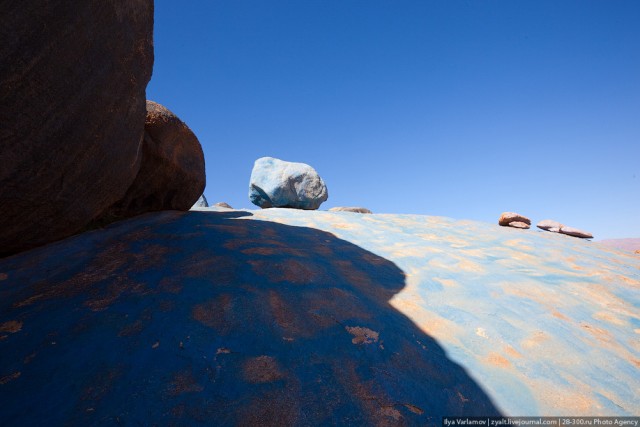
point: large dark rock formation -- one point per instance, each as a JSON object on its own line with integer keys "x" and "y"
{"x": 72, "y": 84}
{"x": 171, "y": 175}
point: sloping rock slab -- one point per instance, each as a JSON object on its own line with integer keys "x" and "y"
{"x": 281, "y": 317}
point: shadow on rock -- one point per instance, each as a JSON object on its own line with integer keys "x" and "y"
{"x": 207, "y": 318}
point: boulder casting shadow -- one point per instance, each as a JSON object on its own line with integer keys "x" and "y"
{"x": 204, "y": 317}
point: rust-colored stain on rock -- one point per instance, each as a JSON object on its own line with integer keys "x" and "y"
{"x": 184, "y": 382}
{"x": 10, "y": 377}
{"x": 362, "y": 335}
{"x": 12, "y": 326}
{"x": 262, "y": 369}
{"x": 498, "y": 360}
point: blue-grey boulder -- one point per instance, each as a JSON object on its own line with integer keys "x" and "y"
{"x": 201, "y": 203}
{"x": 279, "y": 184}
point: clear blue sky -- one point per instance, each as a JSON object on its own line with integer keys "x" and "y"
{"x": 463, "y": 109}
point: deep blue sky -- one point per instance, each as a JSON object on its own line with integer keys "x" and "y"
{"x": 463, "y": 109}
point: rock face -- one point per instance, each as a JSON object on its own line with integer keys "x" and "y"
{"x": 172, "y": 173}
{"x": 201, "y": 203}
{"x": 350, "y": 209}
{"x": 72, "y": 84}
{"x": 280, "y": 184}
{"x": 512, "y": 219}
{"x": 288, "y": 317}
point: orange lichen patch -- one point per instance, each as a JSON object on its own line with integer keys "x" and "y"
{"x": 449, "y": 283}
{"x": 100, "y": 384}
{"x": 470, "y": 266}
{"x": 212, "y": 313}
{"x": 512, "y": 352}
{"x": 282, "y": 313}
{"x": 352, "y": 274}
{"x": 344, "y": 225}
{"x": 271, "y": 251}
{"x": 12, "y": 326}
{"x": 518, "y": 243}
{"x": 262, "y": 369}
{"x": 610, "y": 318}
{"x": 429, "y": 322}
{"x": 496, "y": 359}
{"x": 462, "y": 398}
{"x": 560, "y": 316}
{"x": 3, "y": 276}
{"x": 10, "y": 377}
{"x": 636, "y": 362}
{"x": 296, "y": 271}
{"x": 414, "y": 408}
{"x": 169, "y": 285}
{"x": 362, "y": 335}
{"x": 535, "y": 340}
{"x": 184, "y": 382}
{"x": 570, "y": 399}
{"x": 390, "y": 411}
{"x": 600, "y": 334}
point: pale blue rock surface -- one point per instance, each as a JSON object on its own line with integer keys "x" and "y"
{"x": 276, "y": 183}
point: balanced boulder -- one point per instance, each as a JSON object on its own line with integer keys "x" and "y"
{"x": 512, "y": 219}
{"x": 172, "y": 174}
{"x": 350, "y": 209}
{"x": 276, "y": 183}
{"x": 72, "y": 83}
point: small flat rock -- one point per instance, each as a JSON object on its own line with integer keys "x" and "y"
{"x": 550, "y": 225}
{"x": 350, "y": 209}
{"x": 508, "y": 217}
{"x": 519, "y": 224}
{"x": 570, "y": 231}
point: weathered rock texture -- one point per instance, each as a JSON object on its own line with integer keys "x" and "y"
{"x": 288, "y": 317}
{"x": 172, "y": 173}
{"x": 350, "y": 209}
{"x": 72, "y": 90}
{"x": 276, "y": 183}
